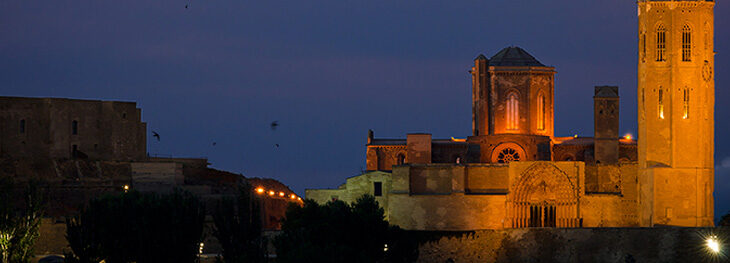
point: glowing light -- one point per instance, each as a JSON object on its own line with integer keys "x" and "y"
{"x": 627, "y": 136}
{"x": 292, "y": 196}
{"x": 713, "y": 244}
{"x": 281, "y": 194}
{"x": 126, "y": 188}
{"x": 260, "y": 190}
{"x": 575, "y": 136}
{"x": 457, "y": 140}
{"x": 200, "y": 250}
{"x": 385, "y": 249}
{"x": 299, "y": 198}
{"x": 271, "y": 192}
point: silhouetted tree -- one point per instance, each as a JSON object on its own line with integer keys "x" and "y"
{"x": 724, "y": 220}
{"x": 19, "y": 228}
{"x": 136, "y": 227}
{"x": 238, "y": 228}
{"x": 338, "y": 232}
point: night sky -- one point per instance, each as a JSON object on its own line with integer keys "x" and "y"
{"x": 221, "y": 71}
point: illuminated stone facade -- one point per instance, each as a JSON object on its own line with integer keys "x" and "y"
{"x": 514, "y": 173}
{"x": 676, "y": 112}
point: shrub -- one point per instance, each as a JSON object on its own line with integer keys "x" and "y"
{"x": 238, "y": 228}
{"x": 136, "y": 227}
{"x": 338, "y": 232}
{"x": 19, "y": 227}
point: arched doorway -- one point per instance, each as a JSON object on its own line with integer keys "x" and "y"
{"x": 543, "y": 196}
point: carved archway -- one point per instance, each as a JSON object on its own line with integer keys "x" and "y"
{"x": 543, "y": 196}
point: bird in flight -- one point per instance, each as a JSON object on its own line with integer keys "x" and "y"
{"x": 186, "y": 6}
{"x": 274, "y": 124}
{"x": 156, "y": 135}
{"x": 277, "y": 145}
{"x": 214, "y": 143}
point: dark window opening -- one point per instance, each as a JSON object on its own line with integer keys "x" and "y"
{"x": 96, "y": 146}
{"x": 401, "y": 159}
{"x": 378, "y": 189}
{"x": 124, "y": 115}
{"x": 22, "y": 126}
{"x": 74, "y": 151}
{"x": 74, "y": 127}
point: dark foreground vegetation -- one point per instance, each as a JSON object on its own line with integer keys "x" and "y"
{"x": 19, "y": 221}
{"x": 339, "y": 232}
{"x": 136, "y": 227}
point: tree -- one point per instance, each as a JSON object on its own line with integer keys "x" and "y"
{"x": 338, "y": 232}
{"x": 724, "y": 220}
{"x": 238, "y": 228}
{"x": 136, "y": 227}
{"x": 19, "y": 228}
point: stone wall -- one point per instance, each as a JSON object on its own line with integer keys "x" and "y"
{"x": 44, "y": 128}
{"x": 574, "y": 245}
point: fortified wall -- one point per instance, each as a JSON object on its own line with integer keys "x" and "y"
{"x": 575, "y": 245}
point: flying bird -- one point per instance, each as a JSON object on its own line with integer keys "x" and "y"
{"x": 213, "y": 143}
{"x": 274, "y": 124}
{"x": 186, "y": 6}
{"x": 156, "y": 135}
{"x": 277, "y": 145}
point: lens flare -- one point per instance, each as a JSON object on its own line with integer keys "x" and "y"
{"x": 713, "y": 244}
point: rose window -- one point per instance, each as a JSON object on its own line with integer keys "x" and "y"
{"x": 508, "y": 155}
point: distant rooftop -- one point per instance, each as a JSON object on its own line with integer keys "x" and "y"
{"x": 514, "y": 57}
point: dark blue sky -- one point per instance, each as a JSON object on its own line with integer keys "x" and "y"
{"x": 221, "y": 71}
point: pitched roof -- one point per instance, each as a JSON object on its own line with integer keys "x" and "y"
{"x": 515, "y": 57}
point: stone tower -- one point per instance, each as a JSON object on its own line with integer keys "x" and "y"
{"x": 512, "y": 107}
{"x": 676, "y": 112}
{"x": 605, "y": 123}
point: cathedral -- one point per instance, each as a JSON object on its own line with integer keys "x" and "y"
{"x": 513, "y": 172}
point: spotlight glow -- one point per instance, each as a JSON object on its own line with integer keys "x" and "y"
{"x": 713, "y": 244}
{"x": 260, "y": 190}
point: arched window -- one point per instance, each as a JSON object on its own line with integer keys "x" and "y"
{"x": 686, "y": 43}
{"x": 661, "y": 43}
{"x": 686, "y": 104}
{"x": 22, "y": 126}
{"x": 74, "y": 127}
{"x": 541, "y": 111}
{"x": 401, "y": 159}
{"x": 513, "y": 108}
{"x": 661, "y": 103}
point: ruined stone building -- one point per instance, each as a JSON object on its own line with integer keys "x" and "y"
{"x": 513, "y": 172}
{"x": 81, "y": 149}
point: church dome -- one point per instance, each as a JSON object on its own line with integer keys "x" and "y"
{"x": 514, "y": 57}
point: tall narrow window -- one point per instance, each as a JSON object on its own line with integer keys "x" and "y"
{"x": 686, "y": 104}
{"x": 513, "y": 108}
{"x": 400, "y": 159}
{"x": 377, "y": 188}
{"x": 661, "y": 44}
{"x": 686, "y": 43}
{"x": 74, "y": 127}
{"x": 661, "y": 103}
{"x": 22, "y": 126}
{"x": 541, "y": 111}
{"x": 707, "y": 37}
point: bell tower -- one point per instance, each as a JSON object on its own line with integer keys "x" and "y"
{"x": 676, "y": 100}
